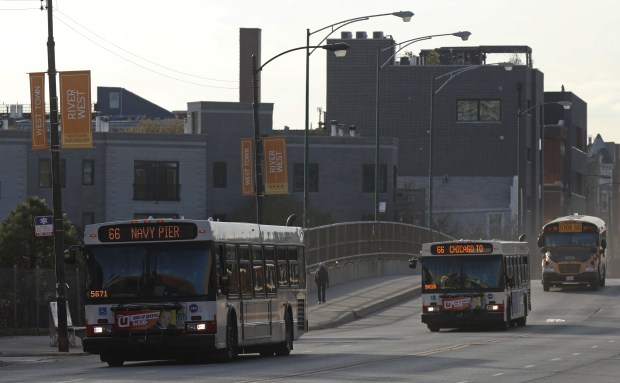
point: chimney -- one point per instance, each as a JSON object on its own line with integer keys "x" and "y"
{"x": 334, "y": 125}
{"x": 352, "y": 130}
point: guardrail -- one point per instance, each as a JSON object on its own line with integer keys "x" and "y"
{"x": 356, "y": 250}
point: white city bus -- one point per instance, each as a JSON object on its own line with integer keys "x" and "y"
{"x": 474, "y": 283}
{"x": 168, "y": 289}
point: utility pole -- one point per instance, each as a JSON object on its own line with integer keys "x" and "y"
{"x": 61, "y": 299}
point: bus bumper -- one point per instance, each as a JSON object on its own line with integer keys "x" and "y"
{"x": 563, "y": 279}
{"x": 147, "y": 347}
{"x": 454, "y": 319}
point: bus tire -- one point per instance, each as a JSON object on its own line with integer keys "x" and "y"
{"x": 111, "y": 361}
{"x": 231, "y": 352}
{"x": 603, "y": 277}
{"x": 284, "y": 348}
{"x": 508, "y": 322}
{"x": 523, "y": 320}
{"x": 595, "y": 283}
{"x": 546, "y": 285}
{"x": 433, "y": 328}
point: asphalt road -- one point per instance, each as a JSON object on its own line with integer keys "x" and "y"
{"x": 572, "y": 335}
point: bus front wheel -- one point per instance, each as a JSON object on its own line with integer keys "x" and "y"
{"x": 231, "y": 352}
{"x": 111, "y": 361}
{"x": 433, "y": 328}
{"x": 284, "y": 349}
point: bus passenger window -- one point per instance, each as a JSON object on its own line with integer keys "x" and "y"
{"x": 283, "y": 277}
{"x": 258, "y": 271}
{"x": 293, "y": 266}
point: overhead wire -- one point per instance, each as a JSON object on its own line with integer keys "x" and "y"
{"x": 136, "y": 63}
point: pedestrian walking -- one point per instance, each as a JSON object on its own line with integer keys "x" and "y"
{"x": 321, "y": 277}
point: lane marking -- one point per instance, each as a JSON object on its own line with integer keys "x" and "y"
{"x": 498, "y": 374}
{"x": 529, "y": 366}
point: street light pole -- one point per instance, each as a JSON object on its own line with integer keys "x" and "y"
{"x": 404, "y": 15}
{"x": 566, "y": 105}
{"x": 61, "y": 299}
{"x": 402, "y": 45}
{"x": 449, "y": 77}
{"x": 339, "y": 49}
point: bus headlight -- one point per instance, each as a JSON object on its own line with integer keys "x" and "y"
{"x": 548, "y": 269}
{"x": 430, "y": 309}
{"x": 103, "y": 329}
{"x": 589, "y": 269}
{"x": 494, "y": 307}
{"x": 206, "y": 326}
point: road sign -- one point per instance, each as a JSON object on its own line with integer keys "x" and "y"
{"x": 44, "y": 226}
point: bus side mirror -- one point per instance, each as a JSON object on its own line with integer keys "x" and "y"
{"x": 540, "y": 241}
{"x": 71, "y": 253}
{"x": 604, "y": 243}
{"x": 413, "y": 263}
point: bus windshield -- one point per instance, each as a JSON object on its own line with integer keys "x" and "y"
{"x": 462, "y": 273}
{"x": 150, "y": 270}
{"x": 552, "y": 239}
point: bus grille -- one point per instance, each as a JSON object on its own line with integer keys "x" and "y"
{"x": 301, "y": 314}
{"x": 570, "y": 268}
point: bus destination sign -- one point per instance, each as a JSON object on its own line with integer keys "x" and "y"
{"x": 153, "y": 231}
{"x": 462, "y": 248}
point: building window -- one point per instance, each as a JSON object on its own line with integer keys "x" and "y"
{"x": 156, "y": 181}
{"x": 88, "y": 172}
{"x": 219, "y": 175}
{"x": 478, "y": 110}
{"x": 298, "y": 177}
{"x": 368, "y": 178}
{"x": 45, "y": 173}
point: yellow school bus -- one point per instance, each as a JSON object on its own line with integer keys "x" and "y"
{"x": 573, "y": 251}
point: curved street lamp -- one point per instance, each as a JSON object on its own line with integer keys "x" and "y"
{"x": 404, "y": 15}
{"x": 402, "y": 45}
{"x": 449, "y": 76}
{"x": 340, "y": 50}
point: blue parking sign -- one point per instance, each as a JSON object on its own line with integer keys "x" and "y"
{"x": 44, "y": 226}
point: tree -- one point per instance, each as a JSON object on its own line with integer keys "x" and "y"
{"x": 170, "y": 126}
{"x": 18, "y": 243}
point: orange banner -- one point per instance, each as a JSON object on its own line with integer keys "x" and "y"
{"x": 276, "y": 176}
{"x": 247, "y": 173}
{"x": 75, "y": 116}
{"x": 37, "y": 111}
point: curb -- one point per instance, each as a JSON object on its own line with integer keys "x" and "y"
{"x": 363, "y": 311}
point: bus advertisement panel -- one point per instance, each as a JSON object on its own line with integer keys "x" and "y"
{"x": 168, "y": 289}
{"x": 573, "y": 251}
{"x": 474, "y": 283}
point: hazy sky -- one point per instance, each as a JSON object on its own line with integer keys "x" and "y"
{"x": 172, "y": 53}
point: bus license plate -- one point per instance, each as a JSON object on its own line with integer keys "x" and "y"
{"x": 570, "y": 278}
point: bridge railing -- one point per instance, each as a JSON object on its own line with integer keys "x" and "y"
{"x": 355, "y": 250}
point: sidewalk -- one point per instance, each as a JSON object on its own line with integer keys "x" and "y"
{"x": 345, "y": 303}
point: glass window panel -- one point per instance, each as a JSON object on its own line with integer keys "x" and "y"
{"x": 490, "y": 110}
{"x": 467, "y": 110}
